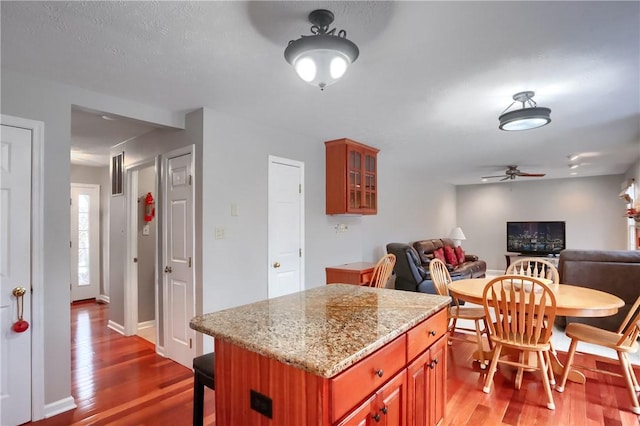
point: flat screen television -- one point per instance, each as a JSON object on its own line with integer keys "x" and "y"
{"x": 542, "y": 238}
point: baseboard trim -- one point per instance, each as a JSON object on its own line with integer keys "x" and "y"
{"x": 59, "y": 406}
{"x": 103, "y": 298}
{"x": 160, "y": 351}
{"x": 146, "y": 324}
{"x": 494, "y": 272}
{"x": 116, "y": 327}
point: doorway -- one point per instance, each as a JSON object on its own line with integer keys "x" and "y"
{"x": 141, "y": 277}
{"x": 85, "y": 241}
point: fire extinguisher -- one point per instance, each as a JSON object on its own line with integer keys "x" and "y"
{"x": 149, "y": 208}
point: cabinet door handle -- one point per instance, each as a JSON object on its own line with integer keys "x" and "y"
{"x": 380, "y": 373}
{"x": 433, "y": 363}
{"x": 384, "y": 409}
{"x": 432, "y": 332}
{"x": 376, "y": 417}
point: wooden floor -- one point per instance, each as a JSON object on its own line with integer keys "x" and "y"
{"x": 120, "y": 380}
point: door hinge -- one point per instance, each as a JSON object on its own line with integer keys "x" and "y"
{"x": 189, "y": 262}
{"x": 70, "y": 244}
{"x": 299, "y": 188}
{"x": 189, "y": 179}
{"x": 70, "y": 201}
{"x": 190, "y": 343}
{"x": 299, "y": 252}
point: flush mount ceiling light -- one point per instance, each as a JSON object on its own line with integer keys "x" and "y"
{"x": 322, "y": 58}
{"x": 530, "y": 116}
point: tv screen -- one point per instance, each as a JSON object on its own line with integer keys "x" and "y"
{"x": 536, "y": 237}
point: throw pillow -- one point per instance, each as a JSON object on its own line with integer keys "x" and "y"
{"x": 439, "y": 254}
{"x": 450, "y": 255}
{"x": 460, "y": 254}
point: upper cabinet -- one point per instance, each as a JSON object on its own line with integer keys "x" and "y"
{"x": 351, "y": 177}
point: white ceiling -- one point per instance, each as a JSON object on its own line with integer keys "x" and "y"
{"x": 430, "y": 82}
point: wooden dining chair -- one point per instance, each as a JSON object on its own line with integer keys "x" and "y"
{"x": 441, "y": 279}
{"x": 623, "y": 341}
{"x": 522, "y": 306}
{"x": 382, "y": 271}
{"x": 534, "y": 267}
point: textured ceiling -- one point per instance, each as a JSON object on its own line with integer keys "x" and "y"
{"x": 430, "y": 82}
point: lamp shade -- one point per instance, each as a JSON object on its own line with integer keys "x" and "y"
{"x": 530, "y": 116}
{"x": 457, "y": 234}
{"x": 322, "y": 58}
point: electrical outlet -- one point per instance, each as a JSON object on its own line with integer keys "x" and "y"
{"x": 341, "y": 227}
{"x": 218, "y": 233}
{"x": 235, "y": 209}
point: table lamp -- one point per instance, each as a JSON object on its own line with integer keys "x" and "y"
{"x": 457, "y": 235}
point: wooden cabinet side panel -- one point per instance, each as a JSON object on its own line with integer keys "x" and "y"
{"x": 297, "y": 397}
{"x": 336, "y": 179}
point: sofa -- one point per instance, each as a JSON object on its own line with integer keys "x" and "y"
{"x": 612, "y": 271}
{"x": 412, "y": 272}
{"x": 471, "y": 267}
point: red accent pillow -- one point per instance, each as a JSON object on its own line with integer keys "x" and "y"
{"x": 460, "y": 254}
{"x": 450, "y": 255}
{"x": 439, "y": 254}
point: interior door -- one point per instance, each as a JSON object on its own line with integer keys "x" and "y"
{"x": 178, "y": 260}
{"x": 286, "y": 227}
{"x": 85, "y": 241}
{"x": 15, "y": 272}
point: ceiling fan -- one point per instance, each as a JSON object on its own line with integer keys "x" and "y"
{"x": 512, "y": 172}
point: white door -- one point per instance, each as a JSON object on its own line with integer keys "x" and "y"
{"x": 15, "y": 271}
{"x": 286, "y": 226}
{"x": 178, "y": 260}
{"x": 85, "y": 241}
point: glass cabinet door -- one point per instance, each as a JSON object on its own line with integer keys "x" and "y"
{"x": 355, "y": 179}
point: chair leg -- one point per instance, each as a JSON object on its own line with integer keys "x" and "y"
{"x": 567, "y": 366}
{"x": 198, "y": 401}
{"x": 492, "y": 369}
{"x": 480, "y": 346}
{"x": 545, "y": 379}
{"x": 520, "y": 373}
{"x": 486, "y": 331}
{"x": 634, "y": 379}
{"x": 552, "y": 377}
{"x": 626, "y": 370}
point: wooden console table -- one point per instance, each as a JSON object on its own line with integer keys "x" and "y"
{"x": 358, "y": 273}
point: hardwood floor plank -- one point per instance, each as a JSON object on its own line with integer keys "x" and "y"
{"x": 121, "y": 381}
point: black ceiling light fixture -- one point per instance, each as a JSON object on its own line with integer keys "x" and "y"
{"x": 530, "y": 116}
{"x": 322, "y": 58}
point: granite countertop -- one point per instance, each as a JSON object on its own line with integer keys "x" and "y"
{"x": 323, "y": 330}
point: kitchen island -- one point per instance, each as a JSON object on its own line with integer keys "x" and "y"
{"x": 338, "y": 354}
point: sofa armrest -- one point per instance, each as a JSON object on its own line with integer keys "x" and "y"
{"x": 470, "y": 258}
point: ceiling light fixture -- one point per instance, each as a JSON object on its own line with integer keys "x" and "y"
{"x": 530, "y": 116}
{"x": 574, "y": 166}
{"x": 322, "y": 58}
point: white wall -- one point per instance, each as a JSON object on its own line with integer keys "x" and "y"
{"x": 590, "y": 206}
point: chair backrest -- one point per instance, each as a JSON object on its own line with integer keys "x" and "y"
{"x": 523, "y": 308}
{"x": 534, "y": 267}
{"x": 630, "y": 327}
{"x": 440, "y": 276}
{"x": 382, "y": 271}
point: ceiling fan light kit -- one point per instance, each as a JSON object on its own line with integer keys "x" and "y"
{"x": 530, "y": 116}
{"x": 322, "y": 58}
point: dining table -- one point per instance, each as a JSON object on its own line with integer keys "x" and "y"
{"x": 571, "y": 300}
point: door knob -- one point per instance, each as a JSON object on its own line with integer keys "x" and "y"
{"x": 168, "y": 269}
{"x": 276, "y": 265}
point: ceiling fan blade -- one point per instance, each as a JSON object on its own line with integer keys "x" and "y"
{"x": 531, "y": 174}
{"x": 506, "y": 178}
{"x": 487, "y": 177}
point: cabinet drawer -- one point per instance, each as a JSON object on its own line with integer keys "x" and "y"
{"x": 424, "y": 334}
{"x": 353, "y": 385}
